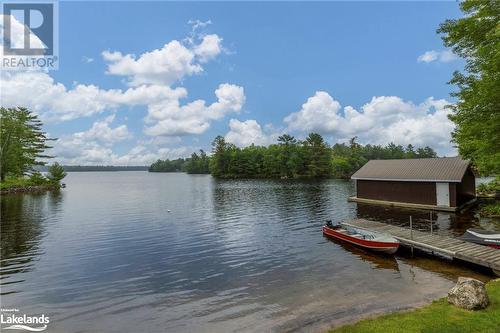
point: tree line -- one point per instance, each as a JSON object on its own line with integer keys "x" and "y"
{"x": 289, "y": 158}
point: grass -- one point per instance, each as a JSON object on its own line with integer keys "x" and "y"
{"x": 21, "y": 182}
{"x": 15, "y": 182}
{"x": 439, "y": 317}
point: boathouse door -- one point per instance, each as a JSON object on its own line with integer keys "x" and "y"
{"x": 443, "y": 194}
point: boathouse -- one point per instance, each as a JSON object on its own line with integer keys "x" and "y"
{"x": 431, "y": 183}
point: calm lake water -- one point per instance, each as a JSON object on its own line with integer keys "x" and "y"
{"x": 141, "y": 252}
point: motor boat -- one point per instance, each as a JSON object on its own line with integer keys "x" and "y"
{"x": 367, "y": 239}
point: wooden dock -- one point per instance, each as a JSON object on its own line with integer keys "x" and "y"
{"x": 437, "y": 244}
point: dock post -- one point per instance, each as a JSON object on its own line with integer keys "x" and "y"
{"x": 411, "y": 235}
{"x": 431, "y": 220}
{"x": 411, "y": 228}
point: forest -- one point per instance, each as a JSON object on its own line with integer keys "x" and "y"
{"x": 289, "y": 158}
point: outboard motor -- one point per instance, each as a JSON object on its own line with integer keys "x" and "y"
{"x": 329, "y": 223}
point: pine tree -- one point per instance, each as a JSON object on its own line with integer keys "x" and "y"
{"x": 22, "y": 142}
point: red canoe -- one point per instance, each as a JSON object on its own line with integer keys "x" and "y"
{"x": 371, "y": 240}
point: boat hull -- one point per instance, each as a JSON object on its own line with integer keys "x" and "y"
{"x": 482, "y": 237}
{"x": 384, "y": 247}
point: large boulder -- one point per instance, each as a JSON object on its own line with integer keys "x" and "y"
{"x": 468, "y": 294}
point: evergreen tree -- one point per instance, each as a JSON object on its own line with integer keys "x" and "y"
{"x": 56, "y": 173}
{"x": 22, "y": 142}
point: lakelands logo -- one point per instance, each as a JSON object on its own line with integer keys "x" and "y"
{"x": 30, "y": 35}
{"x": 12, "y": 319}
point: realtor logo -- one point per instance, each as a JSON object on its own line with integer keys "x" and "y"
{"x": 30, "y": 35}
{"x": 13, "y": 319}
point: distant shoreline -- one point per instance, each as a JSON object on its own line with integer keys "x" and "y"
{"x": 94, "y": 168}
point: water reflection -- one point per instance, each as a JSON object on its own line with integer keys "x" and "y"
{"x": 22, "y": 228}
{"x": 377, "y": 260}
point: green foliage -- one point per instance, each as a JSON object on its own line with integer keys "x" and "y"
{"x": 36, "y": 178}
{"x": 348, "y": 158}
{"x": 197, "y": 163}
{"x": 168, "y": 165}
{"x": 289, "y": 158}
{"x": 436, "y": 317}
{"x": 56, "y": 173}
{"x": 15, "y": 183}
{"x": 490, "y": 210}
{"x": 476, "y": 38}
{"x": 22, "y": 142}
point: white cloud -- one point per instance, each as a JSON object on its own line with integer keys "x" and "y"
{"x": 95, "y": 147}
{"x": 166, "y": 115}
{"x": 384, "y": 119}
{"x": 103, "y": 133}
{"x": 440, "y": 56}
{"x": 54, "y": 102}
{"x": 245, "y": 133}
{"x": 209, "y": 48}
{"x": 167, "y": 65}
{"x": 162, "y": 66}
{"x": 319, "y": 112}
{"x": 169, "y": 118}
{"x": 39, "y": 92}
{"x": 197, "y": 24}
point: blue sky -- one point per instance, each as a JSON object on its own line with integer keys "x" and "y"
{"x": 376, "y": 70}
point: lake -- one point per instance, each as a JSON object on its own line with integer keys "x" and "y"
{"x": 156, "y": 252}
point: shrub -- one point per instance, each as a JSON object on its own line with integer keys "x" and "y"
{"x": 37, "y": 179}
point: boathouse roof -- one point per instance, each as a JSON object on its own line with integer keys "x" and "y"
{"x": 443, "y": 169}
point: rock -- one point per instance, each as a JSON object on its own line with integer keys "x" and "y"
{"x": 468, "y": 294}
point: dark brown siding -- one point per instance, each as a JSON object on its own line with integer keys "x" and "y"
{"x": 412, "y": 192}
{"x": 453, "y": 194}
{"x": 466, "y": 190}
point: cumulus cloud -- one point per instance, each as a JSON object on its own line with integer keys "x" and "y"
{"x": 166, "y": 65}
{"x": 439, "y": 56}
{"x": 245, "y": 133}
{"x": 95, "y": 147}
{"x": 54, "y": 102}
{"x": 209, "y": 48}
{"x": 103, "y": 133}
{"x": 382, "y": 120}
{"x": 39, "y": 92}
{"x": 169, "y": 118}
{"x": 319, "y": 112}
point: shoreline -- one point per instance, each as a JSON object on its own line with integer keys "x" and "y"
{"x": 436, "y": 314}
{"x": 30, "y": 189}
